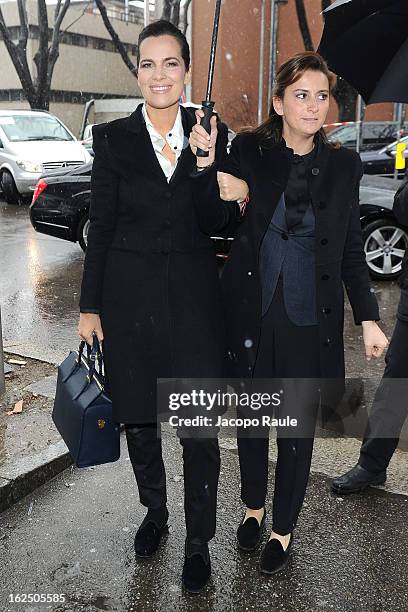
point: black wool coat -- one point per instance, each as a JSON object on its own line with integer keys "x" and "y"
{"x": 400, "y": 210}
{"x": 334, "y": 185}
{"x": 150, "y": 267}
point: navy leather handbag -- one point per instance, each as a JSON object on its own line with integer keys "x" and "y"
{"x": 83, "y": 410}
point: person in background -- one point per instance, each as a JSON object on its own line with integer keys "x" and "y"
{"x": 299, "y": 240}
{"x": 390, "y": 406}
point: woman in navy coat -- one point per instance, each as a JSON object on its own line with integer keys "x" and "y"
{"x": 150, "y": 286}
{"x": 298, "y": 242}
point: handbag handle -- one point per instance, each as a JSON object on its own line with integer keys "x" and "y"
{"x": 94, "y": 356}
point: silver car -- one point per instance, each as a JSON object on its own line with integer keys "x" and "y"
{"x": 31, "y": 144}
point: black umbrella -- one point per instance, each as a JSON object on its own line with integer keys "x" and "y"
{"x": 208, "y": 104}
{"x": 366, "y": 43}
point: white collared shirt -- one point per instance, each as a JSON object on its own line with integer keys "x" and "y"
{"x": 174, "y": 138}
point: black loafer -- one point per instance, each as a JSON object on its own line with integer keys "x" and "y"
{"x": 196, "y": 573}
{"x": 273, "y": 558}
{"x": 148, "y": 536}
{"x": 356, "y": 480}
{"x": 249, "y": 533}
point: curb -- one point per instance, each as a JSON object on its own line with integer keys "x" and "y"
{"x": 33, "y": 471}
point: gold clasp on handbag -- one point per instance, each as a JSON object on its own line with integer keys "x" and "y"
{"x": 101, "y": 423}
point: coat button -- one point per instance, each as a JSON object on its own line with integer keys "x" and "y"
{"x": 325, "y": 277}
{"x": 249, "y": 273}
{"x": 248, "y": 343}
{"x": 327, "y": 342}
{"x": 284, "y": 236}
{"x": 326, "y": 311}
{"x": 324, "y": 241}
{"x": 315, "y": 171}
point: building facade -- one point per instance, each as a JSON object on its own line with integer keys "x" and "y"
{"x": 88, "y": 67}
{"x": 237, "y": 73}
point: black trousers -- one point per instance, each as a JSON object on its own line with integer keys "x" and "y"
{"x": 390, "y": 406}
{"x": 201, "y": 466}
{"x": 285, "y": 351}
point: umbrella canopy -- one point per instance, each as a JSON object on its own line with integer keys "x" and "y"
{"x": 366, "y": 43}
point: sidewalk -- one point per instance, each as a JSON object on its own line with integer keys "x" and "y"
{"x": 31, "y": 449}
{"x": 75, "y": 536}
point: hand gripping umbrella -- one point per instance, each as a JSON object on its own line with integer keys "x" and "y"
{"x": 208, "y": 105}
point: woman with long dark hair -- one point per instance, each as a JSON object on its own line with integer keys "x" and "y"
{"x": 298, "y": 242}
{"x": 150, "y": 287}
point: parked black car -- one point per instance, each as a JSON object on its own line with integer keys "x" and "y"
{"x": 61, "y": 203}
{"x": 382, "y": 161}
{"x": 376, "y": 134}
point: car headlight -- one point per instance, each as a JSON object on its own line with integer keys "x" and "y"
{"x": 29, "y": 166}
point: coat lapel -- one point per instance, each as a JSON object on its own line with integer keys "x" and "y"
{"x": 137, "y": 155}
{"x": 139, "y": 150}
{"x": 187, "y": 160}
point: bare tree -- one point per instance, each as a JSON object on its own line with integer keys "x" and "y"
{"x": 344, "y": 94}
{"x": 36, "y": 88}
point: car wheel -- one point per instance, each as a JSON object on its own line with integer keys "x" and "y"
{"x": 83, "y": 228}
{"x": 384, "y": 246}
{"x": 9, "y": 189}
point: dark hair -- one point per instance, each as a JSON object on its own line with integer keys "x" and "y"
{"x": 165, "y": 28}
{"x": 270, "y": 131}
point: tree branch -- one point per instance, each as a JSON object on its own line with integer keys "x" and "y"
{"x": 115, "y": 38}
{"x": 184, "y": 22}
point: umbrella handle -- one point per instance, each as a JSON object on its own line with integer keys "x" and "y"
{"x": 208, "y": 108}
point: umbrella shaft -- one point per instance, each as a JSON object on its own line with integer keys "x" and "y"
{"x": 213, "y": 50}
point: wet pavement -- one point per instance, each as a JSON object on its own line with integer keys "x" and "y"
{"x": 39, "y": 287}
{"x": 74, "y": 536}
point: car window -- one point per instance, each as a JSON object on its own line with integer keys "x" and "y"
{"x": 20, "y": 128}
{"x": 345, "y": 135}
{"x": 373, "y": 133}
{"x": 380, "y": 132}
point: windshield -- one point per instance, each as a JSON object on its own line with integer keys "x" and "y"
{"x": 19, "y": 128}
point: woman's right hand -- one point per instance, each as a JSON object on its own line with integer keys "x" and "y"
{"x": 232, "y": 188}
{"x": 200, "y": 139}
{"x": 88, "y": 324}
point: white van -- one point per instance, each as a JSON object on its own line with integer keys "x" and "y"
{"x": 33, "y": 143}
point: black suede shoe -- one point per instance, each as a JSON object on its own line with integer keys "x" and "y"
{"x": 196, "y": 572}
{"x": 249, "y": 533}
{"x": 273, "y": 558}
{"x": 149, "y": 534}
{"x": 356, "y": 480}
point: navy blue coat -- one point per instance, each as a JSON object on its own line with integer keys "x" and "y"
{"x": 334, "y": 185}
